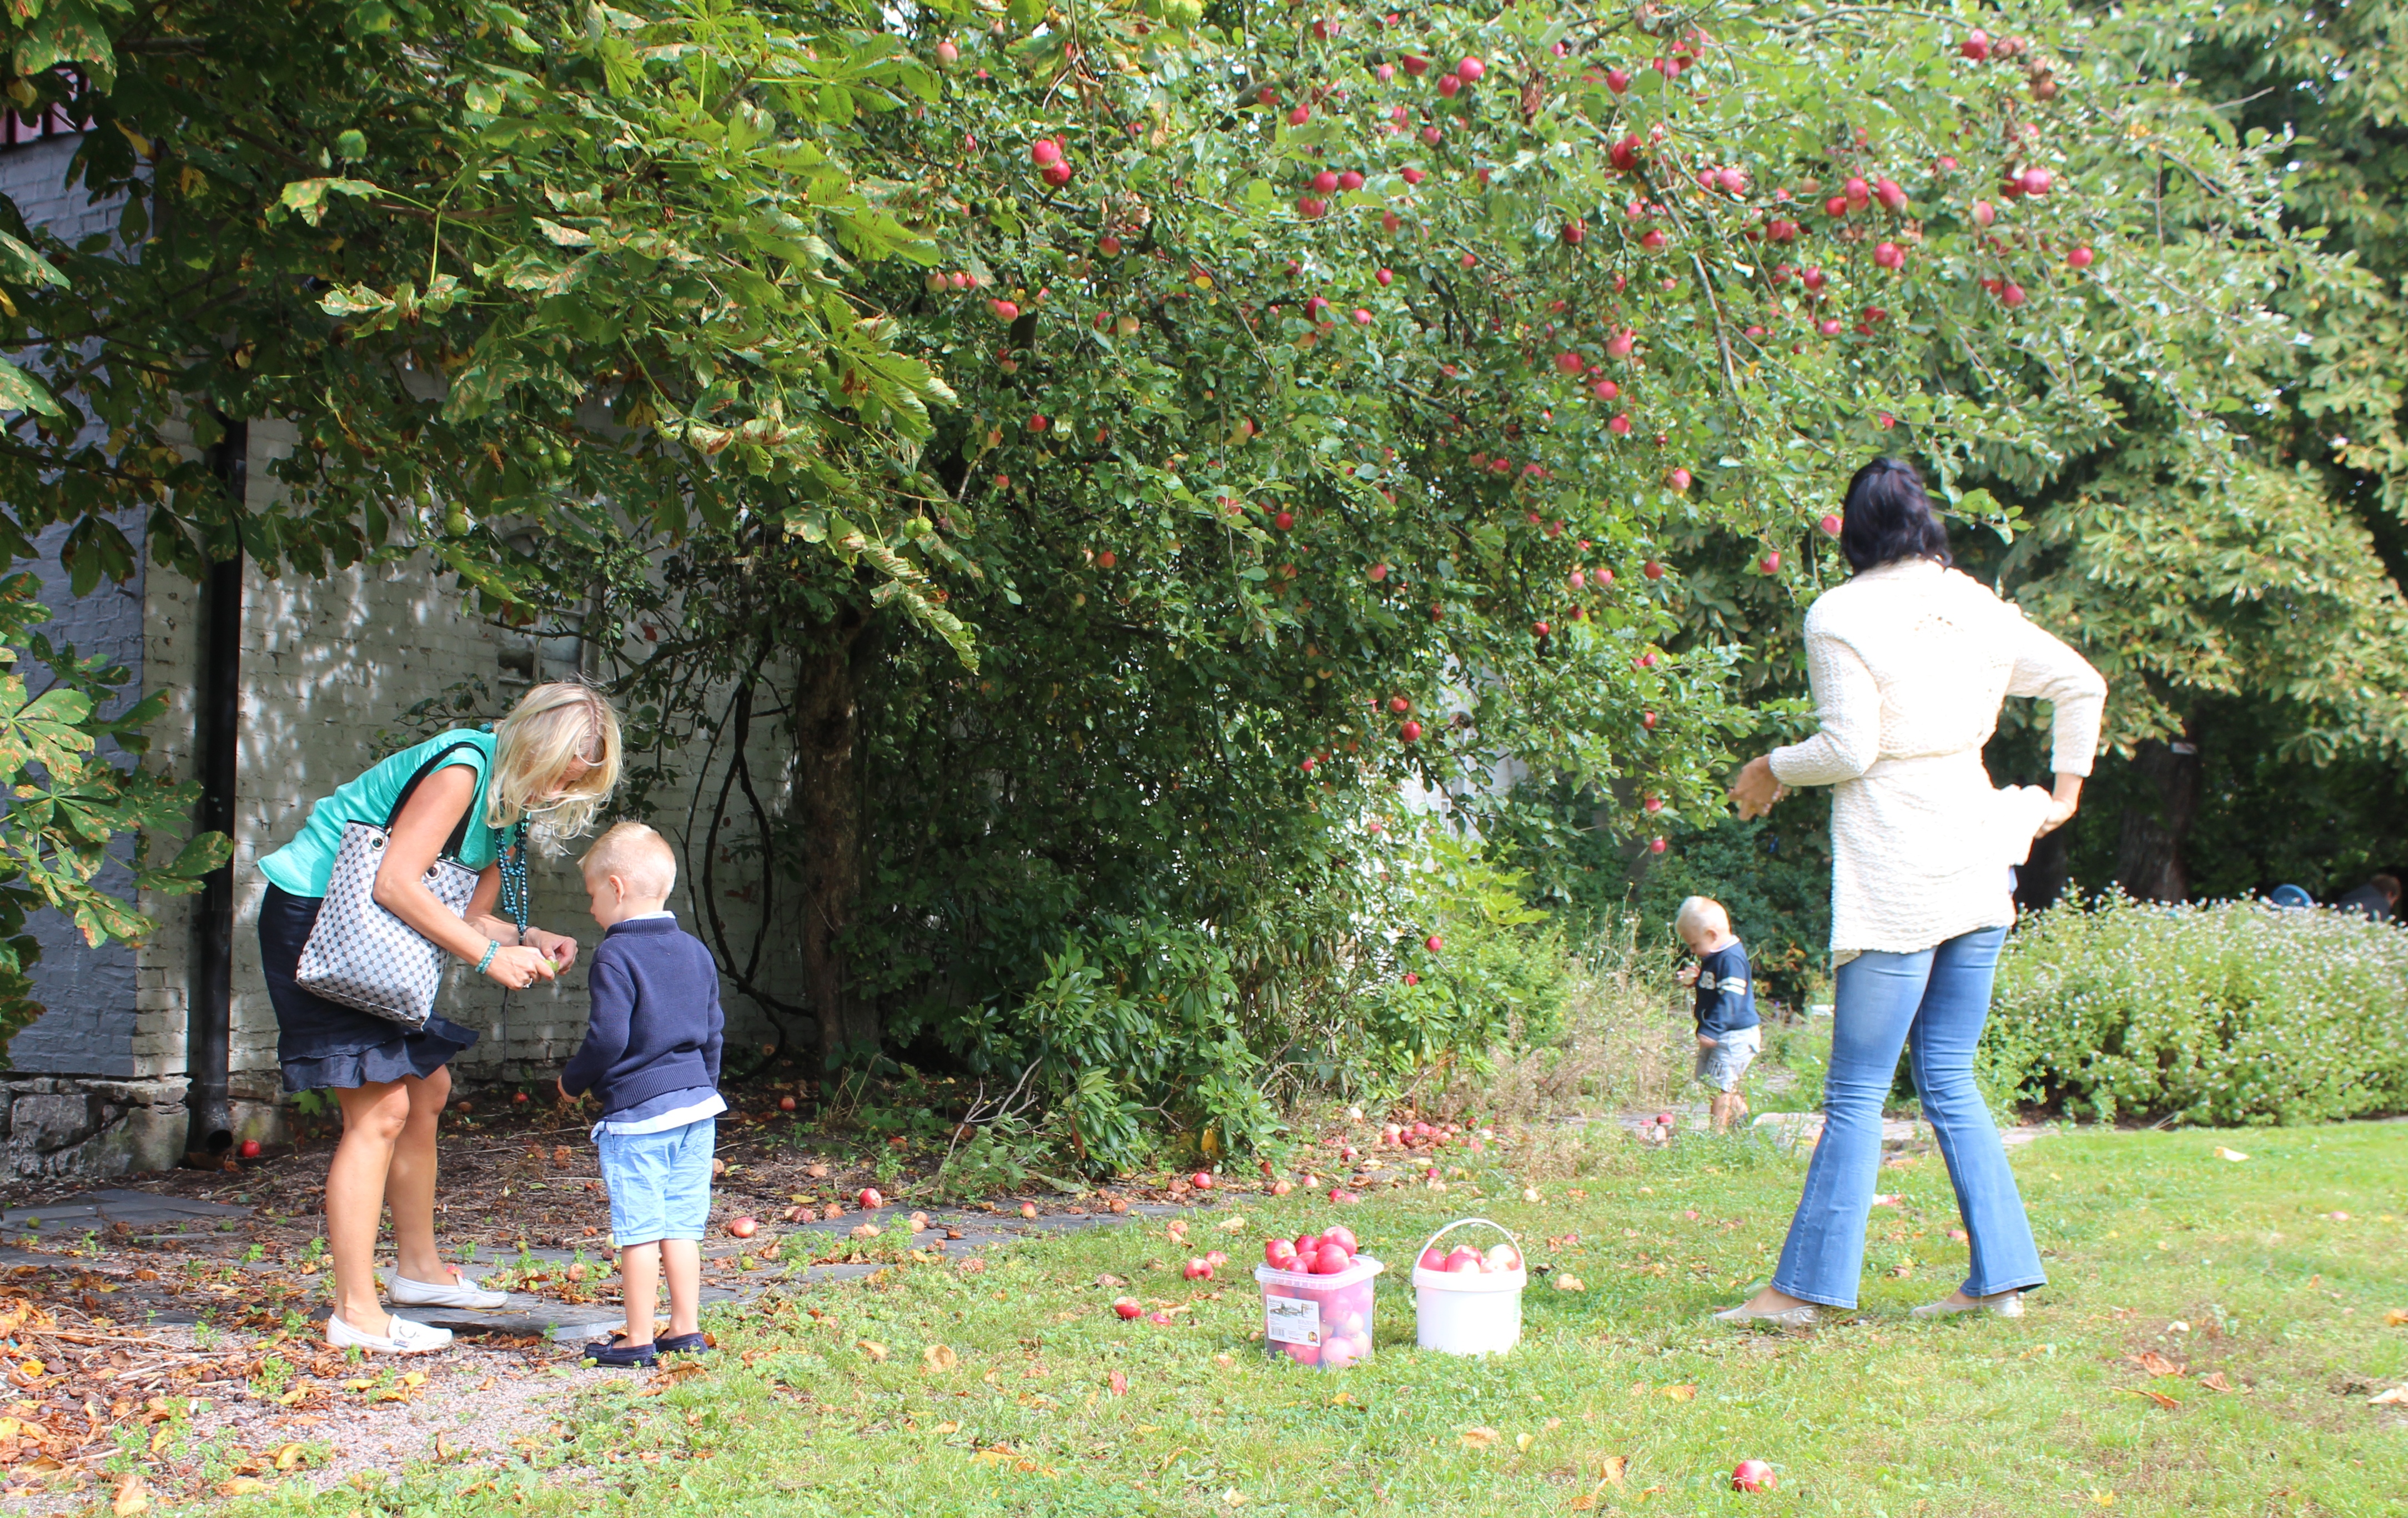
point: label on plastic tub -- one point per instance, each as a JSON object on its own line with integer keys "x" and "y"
{"x": 1291, "y": 1320}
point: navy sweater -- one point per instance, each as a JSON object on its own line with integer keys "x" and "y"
{"x": 656, "y": 1024}
{"x": 1725, "y": 1001}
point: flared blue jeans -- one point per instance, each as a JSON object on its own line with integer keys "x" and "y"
{"x": 1934, "y": 1003}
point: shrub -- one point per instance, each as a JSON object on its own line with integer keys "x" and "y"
{"x": 2227, "y": 1012}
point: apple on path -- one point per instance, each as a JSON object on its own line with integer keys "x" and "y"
{"x": 786, "y": 1104}
{"x": 252, "y": 1148}
{"x": 743, "y": 1228}
{"x": 1202, "y": 1180}
{"x": 871, "y": 1199}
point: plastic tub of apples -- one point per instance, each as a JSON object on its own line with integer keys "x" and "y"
{"x": 1317, "y": 1298}
{"x": 1467, "y": 1300}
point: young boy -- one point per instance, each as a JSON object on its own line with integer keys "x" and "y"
{"x": 650, "y": 1057}
{"x": 1729, "y": 1032}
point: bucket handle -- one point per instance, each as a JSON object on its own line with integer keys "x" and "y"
{"x": 1459, "y": 1223}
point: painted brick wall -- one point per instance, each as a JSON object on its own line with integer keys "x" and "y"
{"x": 92, "y": 992}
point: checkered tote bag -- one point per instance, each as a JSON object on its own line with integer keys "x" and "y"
{"x": 364, "y": 956}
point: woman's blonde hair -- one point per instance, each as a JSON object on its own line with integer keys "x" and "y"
{"x": 552, "y": 727}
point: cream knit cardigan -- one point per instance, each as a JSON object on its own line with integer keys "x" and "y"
{"x": 1909, "y": 662}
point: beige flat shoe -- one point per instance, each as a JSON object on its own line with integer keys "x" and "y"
{"x": 1744, "y": 1316}
{"x": 2005, "y": 1304}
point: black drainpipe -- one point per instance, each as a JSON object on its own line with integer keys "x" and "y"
{"x": 208, "y": 997}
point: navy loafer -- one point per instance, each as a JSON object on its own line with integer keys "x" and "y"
{"x": 681, "y": 1344}
{"x": 613, "y": 1351}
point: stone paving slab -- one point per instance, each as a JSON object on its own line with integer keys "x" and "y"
{"x": 135, "y": 1209}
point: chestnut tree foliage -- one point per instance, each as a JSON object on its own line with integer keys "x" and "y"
{"x": 1075, "y": 484}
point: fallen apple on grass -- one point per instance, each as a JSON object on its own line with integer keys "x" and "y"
{"x": 1753, "y": 1476}
{"x": 1197, "y": 1270}
{"x": 1128, "y": 1306}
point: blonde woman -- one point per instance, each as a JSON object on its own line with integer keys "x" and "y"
{"x": 548, "y": 767}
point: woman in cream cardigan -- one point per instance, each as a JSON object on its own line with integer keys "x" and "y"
{"x": 1910, "y": 660}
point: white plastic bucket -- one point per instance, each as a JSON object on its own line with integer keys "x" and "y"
{"x": 1322, "y": 1321}
{"x": 1467, "y": 1313}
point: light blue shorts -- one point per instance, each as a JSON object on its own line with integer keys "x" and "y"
{"x": 1722, "y": 1065}
{"x": 660, "y": 1183}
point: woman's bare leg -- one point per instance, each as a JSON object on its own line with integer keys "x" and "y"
{"x": 374, "y": 1116}
{"x": 409, "y": 1185}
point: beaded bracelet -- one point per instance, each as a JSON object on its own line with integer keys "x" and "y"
{"x": 493, "y": 946}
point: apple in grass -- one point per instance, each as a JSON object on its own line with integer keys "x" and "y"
{"x": 1197, "y": 1270}
{"x": 1753, "y": 1476}
{"x": 1129, "y": 1308}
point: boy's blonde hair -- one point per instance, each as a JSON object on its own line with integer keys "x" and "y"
{"x": 554, "y": 727}
{"x": 636, "y": 855}
{"x": 1698, "y": 912}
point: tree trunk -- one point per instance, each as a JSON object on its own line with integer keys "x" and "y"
{"x": 827, "y": 790}
{"x": 2149, "y": 857}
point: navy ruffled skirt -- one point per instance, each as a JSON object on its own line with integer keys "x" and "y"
{"x": 325, "y": 1044}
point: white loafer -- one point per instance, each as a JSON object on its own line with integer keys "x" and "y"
{"x": 2005, "y": 1304}
{"x": 461, "y": 1292}
{"x": 1742, "y": 1316}
{"x": 403, "y": 1338}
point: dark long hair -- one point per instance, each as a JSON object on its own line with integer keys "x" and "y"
{"x": 1890, "y": 517}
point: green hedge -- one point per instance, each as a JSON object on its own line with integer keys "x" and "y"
{"x": 2228, "y": 1013}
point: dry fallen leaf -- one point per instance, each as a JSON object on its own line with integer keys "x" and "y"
{"x": 1119, "y": 1382}
{"x": 1584, "y": 1502}
{"x": 2397, "y": 1396}
{"x": 443, "y": 1450}
{"x": 2155, "y": 1363}
{"x": 2214, "y": 1381}
{"x": 1567, "y": 1281}
{"x": 132, "y": 1496}
{"x": 2233, "y": 1155}
{"x": 948, "y": 1427}
{"x": 873, "y": 1349}
{"x": 1681, "y": 1393}
{"x": 1610, "y": 1469}
{"x": 1479, "y": 1438}
{"x": 289, "y": 1456}
{"x": 940, "y": 1357}
{"x": 2159, "y": 1398}
{"x": 242, "y": 1487}
{"x": 1524, "y": 1442}
{"x": 2395, "y": 1317}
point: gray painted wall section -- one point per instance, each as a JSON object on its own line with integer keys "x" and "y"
{"x": 89, "y": 1026}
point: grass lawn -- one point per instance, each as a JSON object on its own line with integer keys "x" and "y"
{"x": 2247, "y": 1271}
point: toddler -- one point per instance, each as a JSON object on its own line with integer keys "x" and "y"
{"x": 650, "y": 1057}
{"x": 1729, "y": 1033}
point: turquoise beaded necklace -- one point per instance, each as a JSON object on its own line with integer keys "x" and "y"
{"x": 514, "y": 864}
